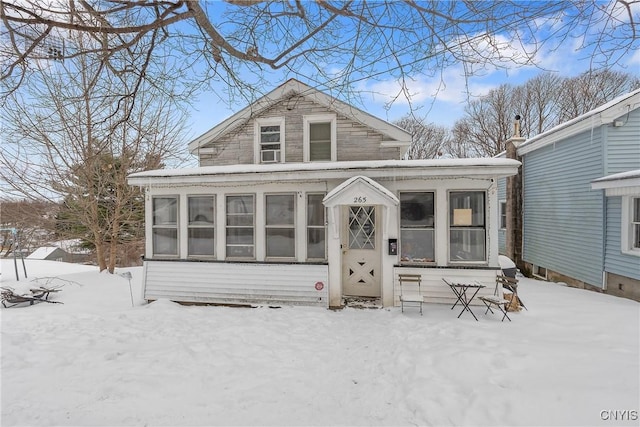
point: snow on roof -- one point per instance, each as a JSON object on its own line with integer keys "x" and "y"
{"x": 325, "y": 166}
{"x": 42, "y": 252}
{"x": 604, "y": 114}
{"x": 624, "y": 179}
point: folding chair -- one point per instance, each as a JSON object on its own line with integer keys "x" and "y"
{"x": 511, "y": 284}
{"x": 496, "y": 301}
{"x": 410, "y": 294}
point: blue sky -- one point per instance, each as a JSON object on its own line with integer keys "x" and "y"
{"x": 438, "y": 98}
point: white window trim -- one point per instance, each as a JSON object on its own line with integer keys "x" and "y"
{"x": 268, "y": 121}
{"x": 501, "y": 213}
{"x": 293, "y": 226}
{"x": 212, "y": 226}
{"x": 176, "y": 227}
{"x": 627, "y": 229}
{"x": 320, "y": 118}
{"x": 307, "y": 227}
{"x": 485, "y": 227}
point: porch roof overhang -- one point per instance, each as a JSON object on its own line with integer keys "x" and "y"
{"x": 369, "y": 191}
{"x": 619, "y": 184}
{"x": 438, "y": 168}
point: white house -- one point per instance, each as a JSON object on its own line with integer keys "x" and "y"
{"x": 303, "y": 199}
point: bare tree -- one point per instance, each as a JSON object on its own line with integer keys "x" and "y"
{"x": 240, "y": 41}
{"x": 429, "y": 141}
{"x": 542, "y": 102}
{"x": 33, "y": 221}
{"x": 74, "y": 134}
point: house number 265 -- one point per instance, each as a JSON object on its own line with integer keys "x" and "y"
{"x": 359, "y": 199}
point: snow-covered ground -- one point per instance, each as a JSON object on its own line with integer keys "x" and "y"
{"x": 572, "y": 359}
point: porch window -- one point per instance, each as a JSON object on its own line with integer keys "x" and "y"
{"x": 165, "y": 226}
{"x": 467, "y": 233}
{"x": 635, "y": 224}
{"x": 503, "y": 214}
{"x": 269, "y": 140}
{"x": 240, "y": 226}
{"x": 316, "y": 229}
{"x": 319, "y": 135}
{"x": 280, "y": 225}
{"x": 417, "y": 227}
{"x": 201, "y": 231}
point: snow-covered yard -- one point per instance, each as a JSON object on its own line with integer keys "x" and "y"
{"x": 572, "y": 359}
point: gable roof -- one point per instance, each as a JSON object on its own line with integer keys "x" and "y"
{"x": 605, "y": 114}
{"x": 295, "y": 87}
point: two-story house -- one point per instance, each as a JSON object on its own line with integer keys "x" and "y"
{"x": 303, "y": 199}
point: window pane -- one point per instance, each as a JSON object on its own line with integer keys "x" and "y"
{"x": 320, "y": 132}
{"x": 201, "y": 210}
{"x": 240, "y": 204}
{"x": 281, "y": 242}
{"x": 165, "y": 241}
{"x": 240, "y": 251}
{"x": 165, "y": 211}
{"x": 636, "y": 210}
{"x": 417, "y": 245}
{"x": 416, "y": 210}
{"x": 280, "y": 209}
{"x": 636, "y": 238}
{"x": 467, "y": 245}
{"x": 239, "y": 236}
{"x": 315, "y": 210}
{"x": 319, "y": 151}
{"x": 466, "y": 209}
{"x": 201, "y": 241}
{"x": 315, "y": 243}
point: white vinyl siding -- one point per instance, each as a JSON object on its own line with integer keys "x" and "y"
{"x": 165, "y": 226}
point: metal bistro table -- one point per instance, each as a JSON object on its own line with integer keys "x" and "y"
{"x": 462, "y": 290}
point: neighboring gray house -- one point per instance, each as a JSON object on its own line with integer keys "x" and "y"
{"x": 572, "y": 231}
{"x": 303, "y": 199}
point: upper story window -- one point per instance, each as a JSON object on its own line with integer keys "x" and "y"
{"x": 269, "y": 140}
{"x": 319, "y": 135}
{"x": 467, "y": 232}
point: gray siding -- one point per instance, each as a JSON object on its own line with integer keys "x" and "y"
{"x": 354, "y": 141}
{"x": 623, "y": 144}
{"x": 563, "y": 217}
{"x": 615, "y": 261}
{"x": 502, "y": 195}
{"x": 236, "y": 283}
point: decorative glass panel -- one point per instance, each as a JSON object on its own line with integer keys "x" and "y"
{"x": 362, "y": 227}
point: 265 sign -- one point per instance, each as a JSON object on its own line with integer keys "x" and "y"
{"x": 359, "y": 199}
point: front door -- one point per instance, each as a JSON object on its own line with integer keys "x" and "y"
{"x": 360, "y": 251}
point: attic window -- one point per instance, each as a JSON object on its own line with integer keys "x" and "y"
{"x": 320, "y": 138}
{"x": 269, "y": 140}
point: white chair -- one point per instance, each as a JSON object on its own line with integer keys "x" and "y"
{"x": 410, "y": 291}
